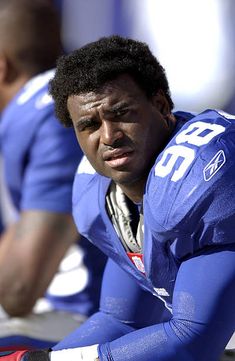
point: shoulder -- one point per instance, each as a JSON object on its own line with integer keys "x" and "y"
{"x": 89, "y": 192}
{"x": 194, "y": 176}
{"x": 35, "y": 92}
{"x": 203, "y": 134}
{"x": 30, "y": 119}
{"x": 32, "y": 105}
{"x": 89, "y": 186}
{"x": 85, "y": 178}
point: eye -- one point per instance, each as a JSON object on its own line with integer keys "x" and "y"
{"x": 121, "y": 112}
{"x": 87, "y": 124}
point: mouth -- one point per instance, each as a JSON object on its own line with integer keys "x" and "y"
{"x": 118, "y": 157}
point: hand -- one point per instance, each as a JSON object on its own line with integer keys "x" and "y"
{"x": 86, "y": 353}
{"x": 25, "y": 355}
{"x": 79, "y": 354}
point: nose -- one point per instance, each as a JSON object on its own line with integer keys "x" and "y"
{"x": 110, "y": 133}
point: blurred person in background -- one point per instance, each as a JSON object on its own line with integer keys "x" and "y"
{"x": 39, "y": 160}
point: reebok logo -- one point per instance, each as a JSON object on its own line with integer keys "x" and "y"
{"x": 214, "y": 165}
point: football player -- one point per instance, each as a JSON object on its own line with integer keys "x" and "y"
{"x": 156, "y": 193}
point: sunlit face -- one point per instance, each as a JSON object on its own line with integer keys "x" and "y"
{"x": 119, "y": 129}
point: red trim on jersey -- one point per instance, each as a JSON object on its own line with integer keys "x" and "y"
{"x": 137, "y": 260}
{"x": 15, "y": 356}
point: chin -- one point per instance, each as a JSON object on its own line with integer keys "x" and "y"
{"x": 126, "y": 178}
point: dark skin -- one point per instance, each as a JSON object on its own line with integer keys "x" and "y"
{"x": 121, "y": 131}
{"x": 23, "y": 257}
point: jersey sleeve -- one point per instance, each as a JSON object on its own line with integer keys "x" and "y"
{"x": 50, "y": 169}
{"x": 124, "y": 307}
{"x": 192, "y": 183}
{"x": 202, "y": 322}
{"x": 203, "y": 318}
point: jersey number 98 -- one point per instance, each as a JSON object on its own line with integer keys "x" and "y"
{"x": 196, "y": 135}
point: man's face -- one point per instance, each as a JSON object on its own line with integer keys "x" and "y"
{"x": 119, "y": 129}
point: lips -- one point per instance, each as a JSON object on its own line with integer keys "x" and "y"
{"x": 117, "y": 157}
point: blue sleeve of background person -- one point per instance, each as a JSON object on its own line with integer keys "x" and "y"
{"x": 124, "y": 307}
{"x": 53, "y": 159}
{"x": 203, "y": 317}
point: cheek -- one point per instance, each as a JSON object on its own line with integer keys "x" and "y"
{"x": 143, "y": 135}
{"x": 147, "y": 138}
{"x": 82, "y": 142}
{"x": 87, "y": 144}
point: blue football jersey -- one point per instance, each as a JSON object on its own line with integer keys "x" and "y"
{"x": 188, "y": 203}
{"x": 40, "y": 158}
{"x": 188, "y": 251}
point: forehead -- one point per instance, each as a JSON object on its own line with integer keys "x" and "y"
{"x": 121, "y": 89}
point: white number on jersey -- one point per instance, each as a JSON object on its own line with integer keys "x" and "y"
{"x": 198, "y": 134}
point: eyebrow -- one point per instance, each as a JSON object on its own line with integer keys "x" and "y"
{"x": 116, "y": 107}
{"x": 112, "y": 110}
{"x": 83, "y": 122}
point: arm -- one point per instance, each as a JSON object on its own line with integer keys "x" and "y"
{"x": 110, "y": 323}
{"x": 203, "y": 317}
{"x": 122, "y": 310}
{"x": 30, "y": 252}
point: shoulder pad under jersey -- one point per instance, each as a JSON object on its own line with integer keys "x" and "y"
{"x": 190, "y": 193}
{"x": 89, "y": 191}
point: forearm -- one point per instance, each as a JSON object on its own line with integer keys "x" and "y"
{"x": 158, "y": 342}
{"x": 30, "y": 252}
{"x": 203, "y": 316}
{"x": 124, "y": 307}
{"x": 202, "y": 322}
{"x": 97, "y": 329}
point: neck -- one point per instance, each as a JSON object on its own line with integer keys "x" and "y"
{"x": 134, "y": 191}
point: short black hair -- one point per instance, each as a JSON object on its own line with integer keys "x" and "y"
{"x": 90, "y": 67}
{"x": 30, "y": 34}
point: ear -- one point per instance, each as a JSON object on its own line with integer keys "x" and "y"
{"x": 8, "y": 72}
{"x": 3, "y": 68}
{"x": 160, "y": 101}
